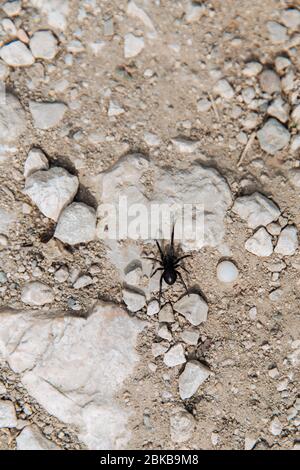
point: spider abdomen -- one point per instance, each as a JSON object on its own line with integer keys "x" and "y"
{"x": 170, "y": 276}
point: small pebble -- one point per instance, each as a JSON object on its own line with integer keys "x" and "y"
{"x": 227, "y": 271}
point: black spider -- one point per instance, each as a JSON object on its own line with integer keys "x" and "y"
{"x": 169, "y": 264}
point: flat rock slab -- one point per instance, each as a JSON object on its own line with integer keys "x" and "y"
{"x": 31, "y": 438}
{"x": 74, "y": 367}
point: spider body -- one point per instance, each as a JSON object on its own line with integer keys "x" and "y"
{"x": 169, "y": 265}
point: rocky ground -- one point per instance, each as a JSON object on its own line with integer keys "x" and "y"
{"x": 159, "y": 101}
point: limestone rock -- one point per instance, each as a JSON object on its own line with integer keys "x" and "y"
{"x": 288, "y": 241}
{"x": 47, "y": 114}
{"x": 77, "y": 224}
{"x": 133, "y": 45}
{"x": 36, "y": 293}
{"x": 16, "y": 54}
{"x": 43, "y": 45}
{"x": 135, "y": 300}
{"x": 256, "y": 209}
{"x": 31, "y": 438}
{"x": 273, "y": 136}
{"x": 74, "y": 367}
{"x": 191, "y": 378}
{"x": 51, "y": 190}
{"x": 193, "y": 308}
{"x": 8, "y": 417}
{"x": 36, "y": 160}
{"x": 175, "y": 356}
{"x": 260, "y": 244}
{"x": 182, "y": 425}
{"x": 12, "y": 120}
{"x": 56, "y": 12}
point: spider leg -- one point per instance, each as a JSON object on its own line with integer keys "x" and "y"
{"x": 157, "y": 269}
{"x": 172, "y": 239}
{"x": 182, "y": 280}
{"x": 160, "y": 289}
{"x": 160, "y": 249}
{"x": 182, "y": 257}
{"x": 152, "y": 259}
{"x": 182, "y": 267}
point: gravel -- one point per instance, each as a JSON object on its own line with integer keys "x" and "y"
{"x": 191, "y": 378}
{"x": 52, "y": 191}
{"x": 43, "y": 45}
{"x": 36, "y": 160}
{"x": 288, "y": 241}
{"x": 8, "y": 417}
{"x": 273, "y": 136}
{"x": 175, "y": 356}
{"x": 37, "y": 293}
{"x": 16, "y": 54}
{"x": 256, "y": 209}
{"x": 47, "y": 114}
{"x": 260, "y": 244}
{"x": 76, "y": 224}
{"x": 193, "y": 308}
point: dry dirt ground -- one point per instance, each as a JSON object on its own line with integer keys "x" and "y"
{"x": 250, "y": 398}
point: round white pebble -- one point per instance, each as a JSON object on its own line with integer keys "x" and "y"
{"x": 227, "y": 271}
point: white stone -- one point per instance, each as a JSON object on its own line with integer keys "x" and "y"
{"x": 12, "y": 120}
{"x": 4, "y": 71}
{"x": 190, "y": 337}
{"x": 194, "y": 185}
{"x": 296, "y": 114}
{"x": 51, "y": 190}
{"x": 133, "y": 45}
{"x": 273, "y": 136}
{"x": 194, "y": 12}
{"x": 203, "y": 105}
{"x": 260, "y": 244}
{"x": 56, "y": 12}
{"x": 77, "y": 224}
{"x": 175, "y": 356}
{"x": 83, "y": 281}
{"x": 278, "y": 33}
{"x": 158, "y": 349}
{"x": 16, "y": 54}
{"x": 74, "y": 367}
{"x": 249, "y": 442}
{"x": 295, "y": 144}
{"x": 36, "y": 293}
{"x": 62, "y": 274}
{"x": 288, "y": 241}
{"x": 270, "y": 82}
{"x": 184, "y": 145}
{"x": 275, "y": 427}
{"x": 227, "y": 271}
{"x": 291, "y": 18}
{"x": 166, "y": 314}
{"x": 135, "y": 11}
{"x": 164, "y": 333}
{"x": 276, "y": 295}
{"x": 182, "y": 425}
{"x": 279, "y": 109}
{"x": 135, "y": 300}
{"x": 31, "y": 438}
{"x": 47, "y": 114}
{"x": 36, "y": 160}
{"x": 43, "y": 45}
{"x": 256, "y": 209}
{"x": 115, "y": 109}
{"x": 8, "y": 418}
{"x": 252, "y": 69}
{"x": 12, "y": 8}
{"x": 224, "y": 89}
{"x": 151, "y": 139}
{"x": 152, "y": 308}
{"x": 282, "y": 63}
{"x": 294, "y": 177}
{"x": 252, "y": 313}
{"x": 193, "y": 308}
{"x": 191, "y": 378}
